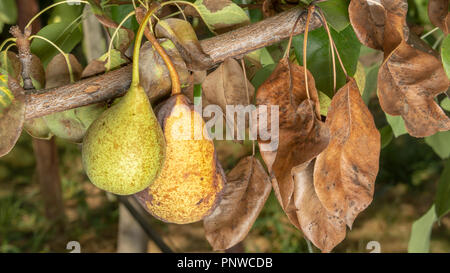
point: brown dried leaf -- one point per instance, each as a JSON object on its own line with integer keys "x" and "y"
{"x": 323, "y": 229}
{"x": 379, "y": 24}
{"x": 154, "y": 73}
{"x": 302, "y": 136}
{"x": 182, "y": 34}
{"x": 408, "y": 81}
{"x": 439, "y": 15}
{"x": 12, "y": 116}
{"x": 226, "y": 85}
{"x": 246, "y": 191}
{"x": 345, "y": 172}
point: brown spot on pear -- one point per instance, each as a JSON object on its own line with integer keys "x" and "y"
{"x": 124, "y": 149}
{"x": 191, "y": 180}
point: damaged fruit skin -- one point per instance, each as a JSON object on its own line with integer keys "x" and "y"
{"x": 191, "y": 181}
{"x": 124, "y": 149}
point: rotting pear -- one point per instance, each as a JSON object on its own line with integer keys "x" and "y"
{"x": 191, "y": 180}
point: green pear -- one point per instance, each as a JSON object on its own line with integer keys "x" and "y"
{"x": 124, "y": 149}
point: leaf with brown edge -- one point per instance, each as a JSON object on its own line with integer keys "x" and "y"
{"x": 302, "y": 136}
{"x": 345, "y": 172}
{"x": 246, "y": 191}
{"x": 12, "y": 112}
{"x": 379, "y": 24}
{"x": 182, "y": 34}
{"x": 408, "y": 81}
{"x": 323, "y": 229}
{"x": 439, "y": 15}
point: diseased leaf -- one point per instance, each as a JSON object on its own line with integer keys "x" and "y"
{"x": 439, "y": 15}
{"x": 410, "y": 77}
{"x": 299, "y": 128}
{"x": 12, "y": 112}
{"x": 345, "y": 172}
{"x": 182, "y": 34}
{"x": 419, "y": 240}
{"x": 408, "y": 81}
{"x": 153, "y": 72}
{"x": 323, "y": 229}
{"x": 226, "y": 85}
{"x": 222, "y": 15}
{"x": 246, "y": 191}
{"x": 71, "y": 124}
{"x": 442, "y": 201}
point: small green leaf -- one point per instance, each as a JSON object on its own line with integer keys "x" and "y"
{"x": 419, "y": 241}
{"x": 442, "y": 201}
{"x": 371, "y": 82}
{"x": 386, "y": 136}
{"x": 8, "y": 11}
{"x": 325, "y": 102}
{"x": 397, "y": 124}
{"x": 319, "y": 57}
{"x": 116, "y": 59}
{"x": 445, "y": 104}
{"x": 440, "y": 142}
{"x": 59, "y": 33}
{"x": 445, "y": 54}
{"x": 360, "y": 77}
{"x": 336, "y": 13}
{"x": 223, "y": 14}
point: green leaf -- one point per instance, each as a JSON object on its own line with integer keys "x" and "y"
{"x": 59, "y": 33}
{"x": 118, "y": 13}
{"x": 440, "y": 142}
{"x": 419, "y": 241}
{"x": 397, "y": 124}
{"x": 262, "y": 74}
{"x": 325, "y": 102}
{"x": 336, "y": 13}
{"x": 386, "y": 136}
{"x": 65, "y": 13}
{"x": 371, "y": 82}
{"x": 319, "y": 57}
{"x": 442, "y": 201}
{"x": 8, "y": 11}
{"x": 445, "y": 54}
{"x": 116, "y": 59}
{"x": 221, "y": 14}
{"x": 445, "y": 104}
{"x": 360, "y": 77}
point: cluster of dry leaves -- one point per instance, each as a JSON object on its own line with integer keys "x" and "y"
{"x": 323, "y": 173}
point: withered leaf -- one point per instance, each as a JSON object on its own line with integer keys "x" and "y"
{"x": 345, "y": 172}
{"x": 12, "y": 112}
{"x": 302, "y": 136}
{"x": 226, "y": 85}
{"x": 182, "y": 34}
{"x": 379, "y": 24}
{"x": 439, "y": 15}
{"x": 322, "y": 228}
{"x": 410, "y": 76}
{"x": 154, "y": 73}
{"x": 408, "y": 81}
{"x": 71, "y": 124}
{"x": 246, "y": 191}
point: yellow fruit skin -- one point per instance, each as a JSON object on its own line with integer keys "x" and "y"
{"x": 124, "y": 149}
{"x": 191, "y": 180}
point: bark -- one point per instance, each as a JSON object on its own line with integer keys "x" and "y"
{"x": 113, "y": 84}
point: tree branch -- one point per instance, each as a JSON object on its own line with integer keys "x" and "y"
{"x": 113, "y": 84}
